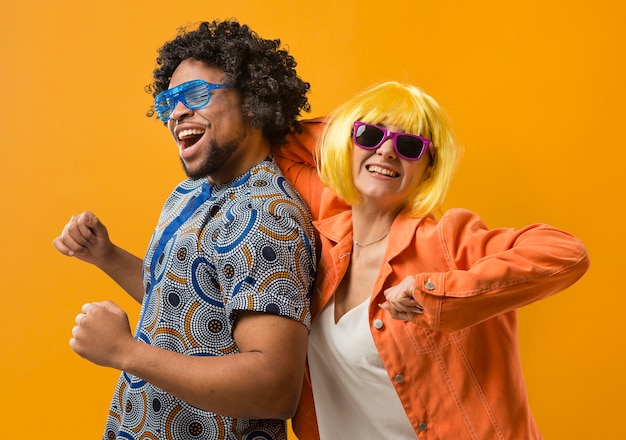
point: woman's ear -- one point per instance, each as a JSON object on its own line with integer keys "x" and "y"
{"x": 428, "y": 173}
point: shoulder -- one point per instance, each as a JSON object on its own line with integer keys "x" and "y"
{"x": 459, "y": 218}
{"x": 452, "y": 228}
{"x": 452, "y": 219}
{"x": 264, "y": 201}
{"x": 270, "y": 191}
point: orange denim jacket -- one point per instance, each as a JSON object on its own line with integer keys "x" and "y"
{"x": 456, "y": 368}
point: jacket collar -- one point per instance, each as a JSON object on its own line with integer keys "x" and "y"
{"x": 338, "y": 228}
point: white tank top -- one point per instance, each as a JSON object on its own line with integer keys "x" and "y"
{"x": 354, "y": 397}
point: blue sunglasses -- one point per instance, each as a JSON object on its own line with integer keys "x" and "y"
{"x": 193, "y": 94}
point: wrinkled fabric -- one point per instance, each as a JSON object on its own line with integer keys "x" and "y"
{"x": 456, "y": 368}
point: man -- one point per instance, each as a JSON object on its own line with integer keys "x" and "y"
{"x": 220, "y": 346}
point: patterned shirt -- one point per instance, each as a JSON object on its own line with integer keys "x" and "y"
{"x": 246, "y": 245}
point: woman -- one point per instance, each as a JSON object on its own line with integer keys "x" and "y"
{"x": 415, "y": 321}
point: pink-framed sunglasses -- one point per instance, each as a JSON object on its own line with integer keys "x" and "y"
{"x": 407, "y": 146}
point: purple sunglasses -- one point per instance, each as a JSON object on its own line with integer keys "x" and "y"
{"x": 407, "y": 146}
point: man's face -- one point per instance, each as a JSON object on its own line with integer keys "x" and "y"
{"x": 216, "y": 141}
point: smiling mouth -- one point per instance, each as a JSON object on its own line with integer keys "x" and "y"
{"x": 190, "y": 136}
{"x": 382, "y": 171}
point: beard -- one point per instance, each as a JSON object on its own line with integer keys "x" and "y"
{"x": 216, "y": 159}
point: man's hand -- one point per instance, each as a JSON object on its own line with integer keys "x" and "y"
{"x": 85, "y": 238}
{"x": 102, "y": 335}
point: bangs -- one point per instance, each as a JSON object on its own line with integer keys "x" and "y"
{"x": 389, "y": 104}
{"x": 398, "y": 107}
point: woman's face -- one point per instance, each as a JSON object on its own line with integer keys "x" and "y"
{"x": 384, "y": 178}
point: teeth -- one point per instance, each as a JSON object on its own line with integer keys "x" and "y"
{"x": 383, "y": 171}
{"x": 190, "y": 132}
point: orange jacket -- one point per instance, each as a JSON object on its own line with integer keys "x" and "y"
{"x": 456, "y": 368}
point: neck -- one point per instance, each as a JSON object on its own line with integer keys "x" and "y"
{"x": 377, "y": 240}
{"x": 370, "y": 228}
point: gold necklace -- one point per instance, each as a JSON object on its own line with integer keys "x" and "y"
{"x": 356, "y": 243}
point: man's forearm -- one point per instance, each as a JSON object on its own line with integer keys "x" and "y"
{"x": 126, "y": 270}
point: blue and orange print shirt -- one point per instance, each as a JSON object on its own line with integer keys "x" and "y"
{"x": 246, "y": 245}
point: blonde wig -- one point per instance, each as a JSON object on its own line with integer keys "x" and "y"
{"x": 390, "y": 103}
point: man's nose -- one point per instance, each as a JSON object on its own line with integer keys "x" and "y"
{"x": 180, "y": 110}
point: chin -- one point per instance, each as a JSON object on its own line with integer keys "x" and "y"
{"x": 191, "y": 173}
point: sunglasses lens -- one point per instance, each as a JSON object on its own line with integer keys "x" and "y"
{"x": 164, "y": 109}
{"x": 368, "y": 136}
{"x": 409, "y": 146}
{"x": 196, "y": 97}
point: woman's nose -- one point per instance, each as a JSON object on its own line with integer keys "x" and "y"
{"x": 386, "y": 149}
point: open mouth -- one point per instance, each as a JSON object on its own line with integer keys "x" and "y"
{"x": 374, "y": 169}
{"x": 190, "y": 136}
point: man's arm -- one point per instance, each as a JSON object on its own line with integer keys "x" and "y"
{"x": 85, "y": 238}
{"x": 264, "y": 380}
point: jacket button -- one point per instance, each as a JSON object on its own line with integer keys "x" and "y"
{"x": 429, "y": 285}
{"x": 399, "y": 378}
{"x": 422, "y": 426}
{"x": 378, "y": 324}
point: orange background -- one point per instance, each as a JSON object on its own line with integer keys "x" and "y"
{"x": 536, "y": 90}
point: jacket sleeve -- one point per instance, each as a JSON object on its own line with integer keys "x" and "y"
{"x": 296, "y": 160}
{"x": 493, "y": 271}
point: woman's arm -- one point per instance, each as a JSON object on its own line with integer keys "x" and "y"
{"x": 491, "y": 271}
{"x": 296, "y": 160}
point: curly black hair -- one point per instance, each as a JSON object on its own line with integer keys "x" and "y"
{"x": 273, "y": 95}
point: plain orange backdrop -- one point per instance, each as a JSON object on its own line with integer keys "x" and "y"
{"x": 536, "y": 90}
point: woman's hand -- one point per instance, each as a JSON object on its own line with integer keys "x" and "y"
{"x": 400, "y": 303}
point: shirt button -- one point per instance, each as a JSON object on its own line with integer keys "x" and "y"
{"x": 378, "y": 324}
{"x": 422, "y": 426}
{"x": 429, "y": 285}
{"x": 399, "y": 378}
